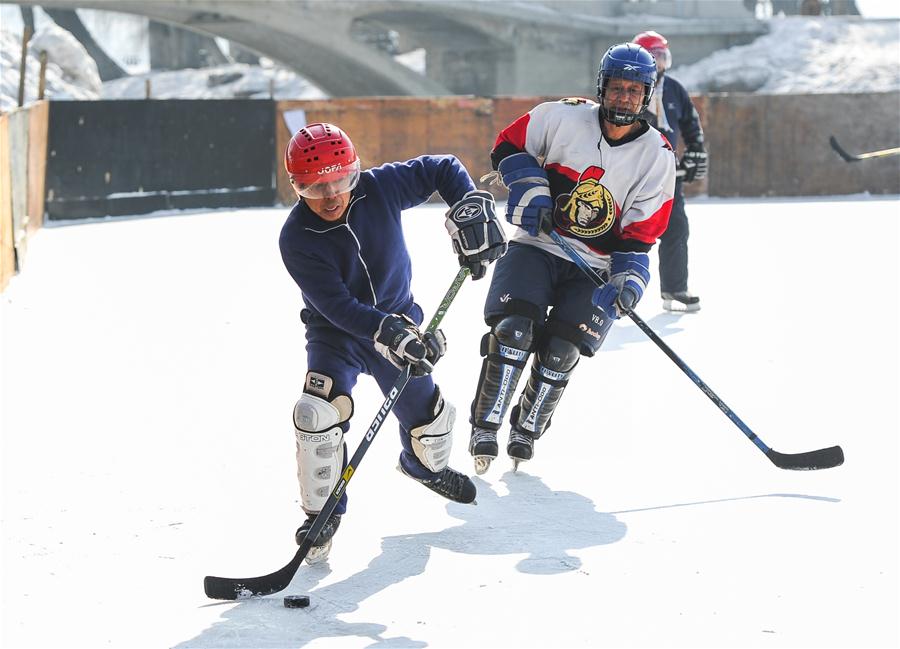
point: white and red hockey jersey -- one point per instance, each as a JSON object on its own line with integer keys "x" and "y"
{"x": 608, "y": 196}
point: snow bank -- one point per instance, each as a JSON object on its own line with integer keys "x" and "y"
{"x": 71, "y": 73}
{"x": 220, "y": 82}
{"x": 64, "y": 51}
{"x": 804, "y": 55}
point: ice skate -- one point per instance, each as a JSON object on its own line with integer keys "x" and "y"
{"x": 449, "y": 483}
{"x": 483, "y": 447}
{"x": 680, "y": 302}
{"x": 321, "y": 547}
{"x": 520, "y": 447}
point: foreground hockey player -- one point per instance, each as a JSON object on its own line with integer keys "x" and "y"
{"x": 343, "y": 245}
{"x": 604, "y": 179}
{"x": 672, "y": 112}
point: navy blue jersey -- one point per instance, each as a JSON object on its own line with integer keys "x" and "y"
{"x": 354, "y": 272}
{"x": 682, "y": 117}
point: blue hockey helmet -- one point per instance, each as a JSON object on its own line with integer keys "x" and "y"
{"x": 625, "y": 61}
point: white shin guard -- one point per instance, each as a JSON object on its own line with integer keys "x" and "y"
{"x": 432, "y": 442}
{"x": 320, "y": 446}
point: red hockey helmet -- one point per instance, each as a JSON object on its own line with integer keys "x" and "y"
{"x": 321, "y": 161}
{"x": 658, "y": 46}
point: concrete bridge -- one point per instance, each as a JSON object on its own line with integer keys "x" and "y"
{"x": 472, "y": 47}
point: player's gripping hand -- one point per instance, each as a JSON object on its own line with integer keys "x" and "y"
{"x": 399, "y": 340}
{"x": 629, "y": 275}
{"x": 695, "y": 162}
{"x": 435, "y": 346}
{"x": 478, "y": 239}
{"x": 529, "y": 204}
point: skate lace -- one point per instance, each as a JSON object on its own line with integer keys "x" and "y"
{"x": 520, "y": 438}
{"x": 481, "y": 435}
{"x": 450, "y": 483}
{"x": 325, "y": 533}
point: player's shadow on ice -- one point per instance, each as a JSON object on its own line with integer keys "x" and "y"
{"x": 532, "y": 524}
{"x": 625, "y": 332}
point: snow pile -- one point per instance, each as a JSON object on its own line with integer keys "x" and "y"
{"x": 235, "y": 80}
{"x": 64, "y": 51}
{"x": 71, "y": 73}
{"x": 804, "y": 55}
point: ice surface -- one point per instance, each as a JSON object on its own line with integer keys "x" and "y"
{"x": 150, "y": 366}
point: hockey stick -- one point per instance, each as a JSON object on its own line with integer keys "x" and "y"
{"x": 862, "y": 156}
{"x": 823, "y": 458}
{"x": 228, "y": 588}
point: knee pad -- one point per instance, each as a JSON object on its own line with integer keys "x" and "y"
{"x": 433, "y": 440}
{"x": 319, "y": 431}
{"x": 558, "y": 354}
{"x": 514, "y": 330}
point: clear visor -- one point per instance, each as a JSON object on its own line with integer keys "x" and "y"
{"x": 328, "y": 183}
{"x": 663, "y": 58}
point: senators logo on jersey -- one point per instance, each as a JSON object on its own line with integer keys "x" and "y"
{"x": 589, "y": 209}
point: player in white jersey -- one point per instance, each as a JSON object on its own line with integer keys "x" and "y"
{"x": 600, "y": 176}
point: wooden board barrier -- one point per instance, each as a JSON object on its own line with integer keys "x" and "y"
{"x": 7, "y": 253}
{"x": 38, "y": 121}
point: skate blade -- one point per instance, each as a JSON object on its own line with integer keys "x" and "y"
{"x": 515, "y": 462}
{"x": 318, "y": 554}
{"x": 680, "y": 307}
{"x": 482, "y": 464}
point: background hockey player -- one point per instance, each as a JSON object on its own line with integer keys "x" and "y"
{"x": 672, "y": 112}
{"x": 602, "y": 178}
{"x": 343, "y": 244}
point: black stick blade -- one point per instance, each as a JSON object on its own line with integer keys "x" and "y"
{"x": 824, "y": 458}
{"x": 225, "y": 588}
{"x": 841, "y": 152}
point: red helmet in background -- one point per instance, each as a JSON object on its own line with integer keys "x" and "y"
{"x": 658, "y": 46}
{"x": 321, "y": 161}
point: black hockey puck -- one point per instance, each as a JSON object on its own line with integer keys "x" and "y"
{"x": 296, "y": 601}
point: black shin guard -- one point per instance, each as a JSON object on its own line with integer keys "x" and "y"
{"x": 550, "y": 372}
{"x": 505, "y": 349}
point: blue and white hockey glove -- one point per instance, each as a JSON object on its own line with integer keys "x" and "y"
{"x": 529, "y": 205}
{"x": 478, "y": 238}
{"x": 629, "y": 274}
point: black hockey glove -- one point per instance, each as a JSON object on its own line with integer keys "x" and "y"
{"x": 477, "y": 236}
{"x": 399, "y": 340}
{"x": 694, "y": 162}
{"x": 435, "y": 346}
